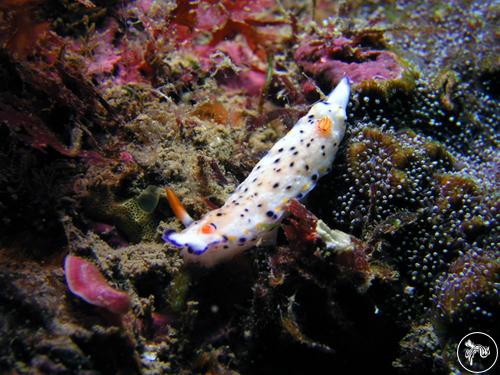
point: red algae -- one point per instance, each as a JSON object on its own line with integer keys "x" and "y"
{"x": 38, "y": 135}
{"x": 87, "y": 282}
{"x": 301, "y": 228}
{"x": 330, "y": 59}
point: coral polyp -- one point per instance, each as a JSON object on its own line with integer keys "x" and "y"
{"x": 469, "y": 288}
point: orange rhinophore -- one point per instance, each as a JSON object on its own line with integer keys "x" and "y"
{"x": 176, "y": 205}
{"x": 208, "y": 229}
{"x": 325, "y": 125}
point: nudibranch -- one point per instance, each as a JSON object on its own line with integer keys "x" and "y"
{"x": 290, "y": 169}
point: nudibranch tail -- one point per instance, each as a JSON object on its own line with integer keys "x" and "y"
{"x": 179, "y": 210}
{"x": 290, "y": 170}
{"x": 340, "y": 95}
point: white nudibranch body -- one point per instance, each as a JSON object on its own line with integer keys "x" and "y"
{"x": 289, "y": 170}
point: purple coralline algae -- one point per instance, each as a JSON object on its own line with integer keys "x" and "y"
{"x": 361, "y": 57}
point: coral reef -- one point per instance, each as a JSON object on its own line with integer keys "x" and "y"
{"x": 420, "y": 352}
{"x": 41, "y": 331}
{"x": 469, "y": 290}
{"x": 390, "y": 261}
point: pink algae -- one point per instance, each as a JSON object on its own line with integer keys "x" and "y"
{"x": 330, "y": 59}
{"x": 300, "y": 229}
{"x": 126, "y": 157}
{"x": 86, "y": 281}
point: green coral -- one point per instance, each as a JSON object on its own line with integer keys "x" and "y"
{"x": 134, "y": 217}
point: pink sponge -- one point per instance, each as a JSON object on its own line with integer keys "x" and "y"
{"x": 87, "y": 282}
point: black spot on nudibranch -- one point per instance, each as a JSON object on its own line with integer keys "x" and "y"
{"x": 242, "y": 239}
{"x": 276, "y": 185}
{"x": 292, "y": 164}
{"x": 307, "y": 167}
{"x": 270, "y": 213}
{"x": 280, "y": 150}
{"x": 296, "y": 153}
{"x": 277, "y": 160}
{"x": 301, "y": 132}
{"x": 314, "y": 177}
{"x": 288, "y": 187}
{"x": 292, "y": 148}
